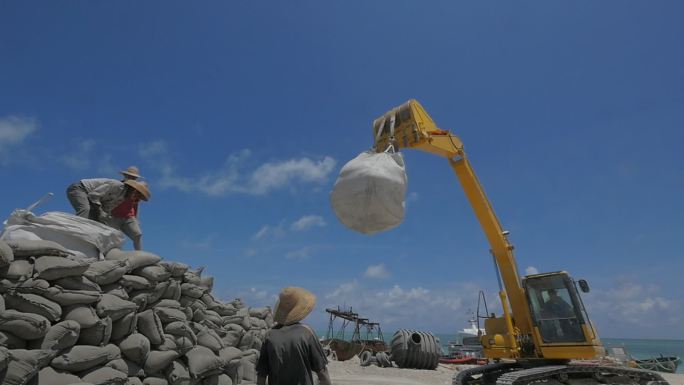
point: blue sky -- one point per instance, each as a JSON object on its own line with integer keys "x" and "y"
{"x": 240, "y": 115}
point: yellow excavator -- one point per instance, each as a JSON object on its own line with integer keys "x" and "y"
{"x": 544, "y": 334}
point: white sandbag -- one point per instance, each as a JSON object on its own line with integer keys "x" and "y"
{"x": 369, "y": 194}
{"x": 83, "y": 235}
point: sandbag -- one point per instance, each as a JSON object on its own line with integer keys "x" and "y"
{"x": 208, "y": 338}
{"x": 105, "y": 376}
{"x": 134, "y": 258}
{"x": 50, "y": 376}
{"x": 150, "y": 325}
{"x": 177, "y": 373}
{"x": 97, "y": 335}
{"x": 61, "y": 336}
{"x": 192, "y": 290}
{"x": 123, "y": 365}
{"x": 181, "y": 329}
{"x": 116, "y": 289}
{"x": 202, "y": 362}
{"x": 124, "y": 326}
{"x": 157, "y": 360}
{"x": 31, "y": 286}
{"x": 51, "y": 268}
{"x": 83, "y": 314}
{"x": 259, "y": 312}
{"x": 66, "y": 297}
{"x": 369, "y": 194}
{"x": 135, "y": 282}
{"x": 170, "y": 303}
{"x": 168, "y": 344}
{"x": 177, "y": 269}
{"x": 173, "y": 291}
{"x": 27, "y": 326}
{"x": 89, "y": 238}
{"x": 248, "y": 363}
{"x": 77, "y": 283}
{"x": 6, "y": 254}
{"x": 184, "y": 344}
{"x": 135, "y": 347}
{"x": 114, "y": 307}
{"x": 19, "y": 269}
{"x": 156, "y": 273}
{"x": 232, "y": 338}
{"x": 80, "y": 357}
{"x": 168, "y": 315}
{"x": 105, "y": 272}
{"x": 23, "y": 248}
{"x": 23, "y": 365}
{"x": 11, "y": 341}
{"x": 32, "y": 303}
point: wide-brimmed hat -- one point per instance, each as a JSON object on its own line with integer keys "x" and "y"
{"x": 140, "y": 187}
{"x": 293, "y": 305}
{"x": 132, "y": 172}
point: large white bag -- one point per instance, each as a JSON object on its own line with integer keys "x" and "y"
{"x": 86, "y": 238}
{"x": 369, "y": 194}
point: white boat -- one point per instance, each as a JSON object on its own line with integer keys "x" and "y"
{"x": 467, "y": 343}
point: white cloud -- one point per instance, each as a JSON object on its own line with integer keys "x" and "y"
{"x": 79, "y": 154}
{"x": 376, "y": 271}
{"x": 267, "y": 231}
{"x": 15, "y": 129}
{"x": 307, "y": 222}
{"x": 300, "y": 254}
{"x": 531, "y": 270}
{"x": 233, "y": 177}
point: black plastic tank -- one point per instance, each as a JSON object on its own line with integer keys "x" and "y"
{"x": 415, "y": 350}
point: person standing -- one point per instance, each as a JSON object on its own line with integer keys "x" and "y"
{"x": 291, "y": 351}
{"x": 117, "y": 207}
{"x": 77, "y": 193}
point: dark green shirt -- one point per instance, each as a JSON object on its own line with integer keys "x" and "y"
{"x": 289, "y": 354}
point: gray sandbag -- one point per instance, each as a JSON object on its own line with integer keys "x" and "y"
{"x": 173, "y": 291}
{"x": 188, "y": 312}
{"x": 176, "y": 269}
{"x": 116, "y": 289}
{"x": 234, "y": 327}
{"x": 135, "y": 282}
{"x": 4, "y": 357}
{"x": 31, "y": 286}
{"x": 184, "y": 344}
{"x": 202, "y": 362}
{"x": 11, "y": 341}
{"x": 257, "y": 323}
{"x": 155, "y": 381}
{"x": 225, "y": 309}
{"x": 181, "y": 329}
{"x": 114, "y": 307}
{"x": 238, "y": 304}
{"x": 79, "y": 358}
{"x": 23, "y": 248}
{"x": 97, "y": 335}
{"x": 168, "y": 344}
{"x": 229, "y": 354}
{"x": 133, "y": 381}
{"x": 104, "y": 376}
{"x": 192, "y": 277}
{"x": 243, "y": 321}
{"x": 66, "y": 297}
{"x": 199, "y": 315}
{"x": 129, "y": 367}
{"x": 61, "y": 336}
{"x": 27, "y": 326}
{"x": 139, "y": 297}
{"x": 83, "y": 314}
{"x": 218, "y": 379}
{"x": 53, "y": 268}
{"x": 248, "y": 363}
{"x": 210, "y": 301}
{"x": 6, "y": 254}
{"x": 19, "y": 269}
{"x": 214, "y": 317}
{"x": 124, "y": 326}
{"x": 151, "y": 326}
{"x": 170, "y": 303}
{"x": 191, "y": 290}
{"x": 77, "y": 283}
{"x": 135, "y": 347}
{"x": 156, "y": 273}
{"x": 193, "y": 303}
{"x": 232, "y": 338}
{"x": 158, "y": 360}
{"x": 259, "y": 312}
{"x": 208, "y": 338}
{"x": 2, "y": 304}
{"x": 157, "y": 292}
{"x": 177, "y": 373}
{"x": 23, "y": 365}
{"x": 135, "y": 258}
{"x": 113, "y": 352}
{"x": 105, "y": 272}
{"x": 50, "y": 376}
{"x": 168, "y": 315}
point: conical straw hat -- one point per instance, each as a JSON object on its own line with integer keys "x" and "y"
{"x": 293, "y": 305}
{"x": 132, "y": 172}
{"x": 140, "y": 187}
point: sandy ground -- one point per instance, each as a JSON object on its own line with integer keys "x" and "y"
{"x": 351, "y": 373}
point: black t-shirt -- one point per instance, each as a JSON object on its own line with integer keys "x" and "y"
{"x": 289, "y": 354}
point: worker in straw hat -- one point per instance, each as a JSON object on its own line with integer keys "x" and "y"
{"x": 77, "y": 192}
{"x": 291, "y": 351}
{"x": 117, "y": 206}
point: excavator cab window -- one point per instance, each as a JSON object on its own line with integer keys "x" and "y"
{"x": 555, "y": 308}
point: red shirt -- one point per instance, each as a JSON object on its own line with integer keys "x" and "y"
{"x": 127, "y": 209}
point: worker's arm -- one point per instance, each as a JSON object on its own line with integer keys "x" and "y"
{"x": 324, "y": 377}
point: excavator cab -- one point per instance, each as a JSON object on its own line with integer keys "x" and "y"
{"x": 558, "y": 315}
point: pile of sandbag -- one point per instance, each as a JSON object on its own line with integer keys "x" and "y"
{"x": 131, "y": 318}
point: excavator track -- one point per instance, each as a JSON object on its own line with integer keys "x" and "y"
{"x": 510, "y": 373}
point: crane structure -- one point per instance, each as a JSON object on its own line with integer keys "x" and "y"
{"x": 544, "y": 325}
